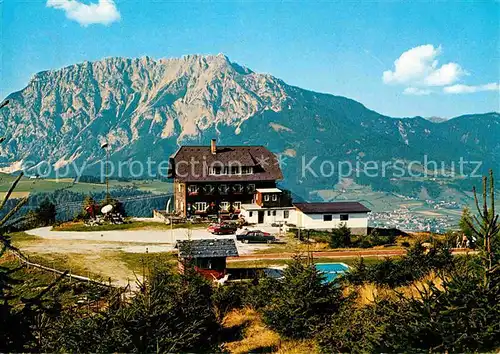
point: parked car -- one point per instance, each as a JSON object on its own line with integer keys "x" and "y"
{"x": 222, "y": 229}
{"x": 255, "y": 236}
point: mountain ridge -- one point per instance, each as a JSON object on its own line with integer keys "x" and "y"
{"x": 146, "y": 107}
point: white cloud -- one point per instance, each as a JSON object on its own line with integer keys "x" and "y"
{"x": 419, "y": 67}
{"x": 445, "y": 75}
{"x": 458, "y": 89}
{"x": 416, "y": 91}
{"x": 104, "y": 12}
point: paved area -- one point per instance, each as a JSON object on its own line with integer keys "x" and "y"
{"x": 135, "y": 241}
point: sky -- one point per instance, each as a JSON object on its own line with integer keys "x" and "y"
{"x": 400, "y": 59}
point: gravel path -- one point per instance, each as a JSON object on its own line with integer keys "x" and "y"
{"x": 123, "y": 240}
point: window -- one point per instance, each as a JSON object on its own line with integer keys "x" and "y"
{"x": 179, "y": 187}
{"x": 275, "y": 197}
{"x": 193, "y": 189}
{"x": 238, "y": 188}
{"x": 223, "y": 189}
{"x": 327, "y": 218}
{"x": 237, "y": 205}
{"x": 200, "y": 206}
{"x": 209, "y": 189}
{"x": 269, "y": 213}
{"x": 217, "y": 170}
{"x": 250, "y": 214}
{"x": 344, "y": 217}
{"x": 251, "y": 188}
{"x": 266, "y": 197}
{"x": 286, "y": 214}
{"x": 224, "y": 206}
{"x": 274, "y": 212}
{"x": 247, "y": 170}
{"x": 235, "y": 170}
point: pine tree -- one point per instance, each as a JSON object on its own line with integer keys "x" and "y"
{"x": 486, "y": 228}
{"x": 465, "y": 221}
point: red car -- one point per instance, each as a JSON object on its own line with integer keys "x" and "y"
{"x": 222, "y": 229}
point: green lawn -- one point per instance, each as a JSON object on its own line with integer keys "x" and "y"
{"x": 135, "y": 225}
{"x": 27, "y": 185}
{"x": 263, "y": 263}
{"x": 141, "y": 262}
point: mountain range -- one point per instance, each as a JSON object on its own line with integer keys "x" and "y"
{"x": 146, "y": 108}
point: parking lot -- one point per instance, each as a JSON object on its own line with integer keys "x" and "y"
{"x": 152, "y": 240}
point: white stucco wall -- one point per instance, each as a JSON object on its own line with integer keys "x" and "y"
{"x": 269, "y": 218}
{"x": 315, "y": 221}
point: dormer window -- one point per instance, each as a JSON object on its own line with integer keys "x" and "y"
{"x": 247, "y": 170}
{"x": 217, "y": 170}
{"x": 235, "y": 170}
{"x": 251, "y": 188}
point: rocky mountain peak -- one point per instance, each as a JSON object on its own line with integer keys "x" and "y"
{"x": 121, "y": 100}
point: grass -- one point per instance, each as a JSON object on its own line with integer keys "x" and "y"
{"x": 292, "y": 245}
{"x": 135, "y": 225}
{"x": 138, "y": 262}
{"x": 27, "y": 185}
{"x": 74, "y": 263}
{"x": 18, "y": 238}
{"x": 263, "y": 263}
{"x": 369, "y": 292}
{"x": 256, "y": 337}
{"x": 29, "y": 282}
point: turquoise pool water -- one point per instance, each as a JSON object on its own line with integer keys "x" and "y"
{"x": 331, "y": 270}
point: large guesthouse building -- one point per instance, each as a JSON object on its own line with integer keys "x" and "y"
{"x": 241, "y": 180}
{"x": 220, "y": 179}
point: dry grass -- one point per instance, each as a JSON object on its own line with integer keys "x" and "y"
{"x": 255, "y": 334}
{"x": 297, "y": 347}
{"x": 256, "y": 337}
{"x": 368, "y": 292}
{"x": 15, "y": 195}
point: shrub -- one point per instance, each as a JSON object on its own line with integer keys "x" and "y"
{"x": 395, "y": 272}
{"x": 229, "y": 297}
{"x": 341, "y": 237}
{"x": 303, "y": 303}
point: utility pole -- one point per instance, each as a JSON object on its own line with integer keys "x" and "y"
{"x": 105, "y": 147}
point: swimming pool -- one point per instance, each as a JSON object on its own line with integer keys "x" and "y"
{"x": 331, "y": 270}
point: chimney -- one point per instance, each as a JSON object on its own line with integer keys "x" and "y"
{"x": 213, "y": 147}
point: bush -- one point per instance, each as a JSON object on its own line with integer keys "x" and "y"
{"x": 262, "y": 292}
{"x": 395, "y": 272}
{"x": 303, "y": 303}
{"x": 341, "y": 237}
{"x": 171, "y": 313}
{"x": 229, "y": 297}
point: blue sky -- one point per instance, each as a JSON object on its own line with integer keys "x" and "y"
{"x": 449, "y": 51}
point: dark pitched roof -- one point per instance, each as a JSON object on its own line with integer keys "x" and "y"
{"x": 336, "y": 207}
{"x": 197, "y": 159}
{"x": 207, "y": 248}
